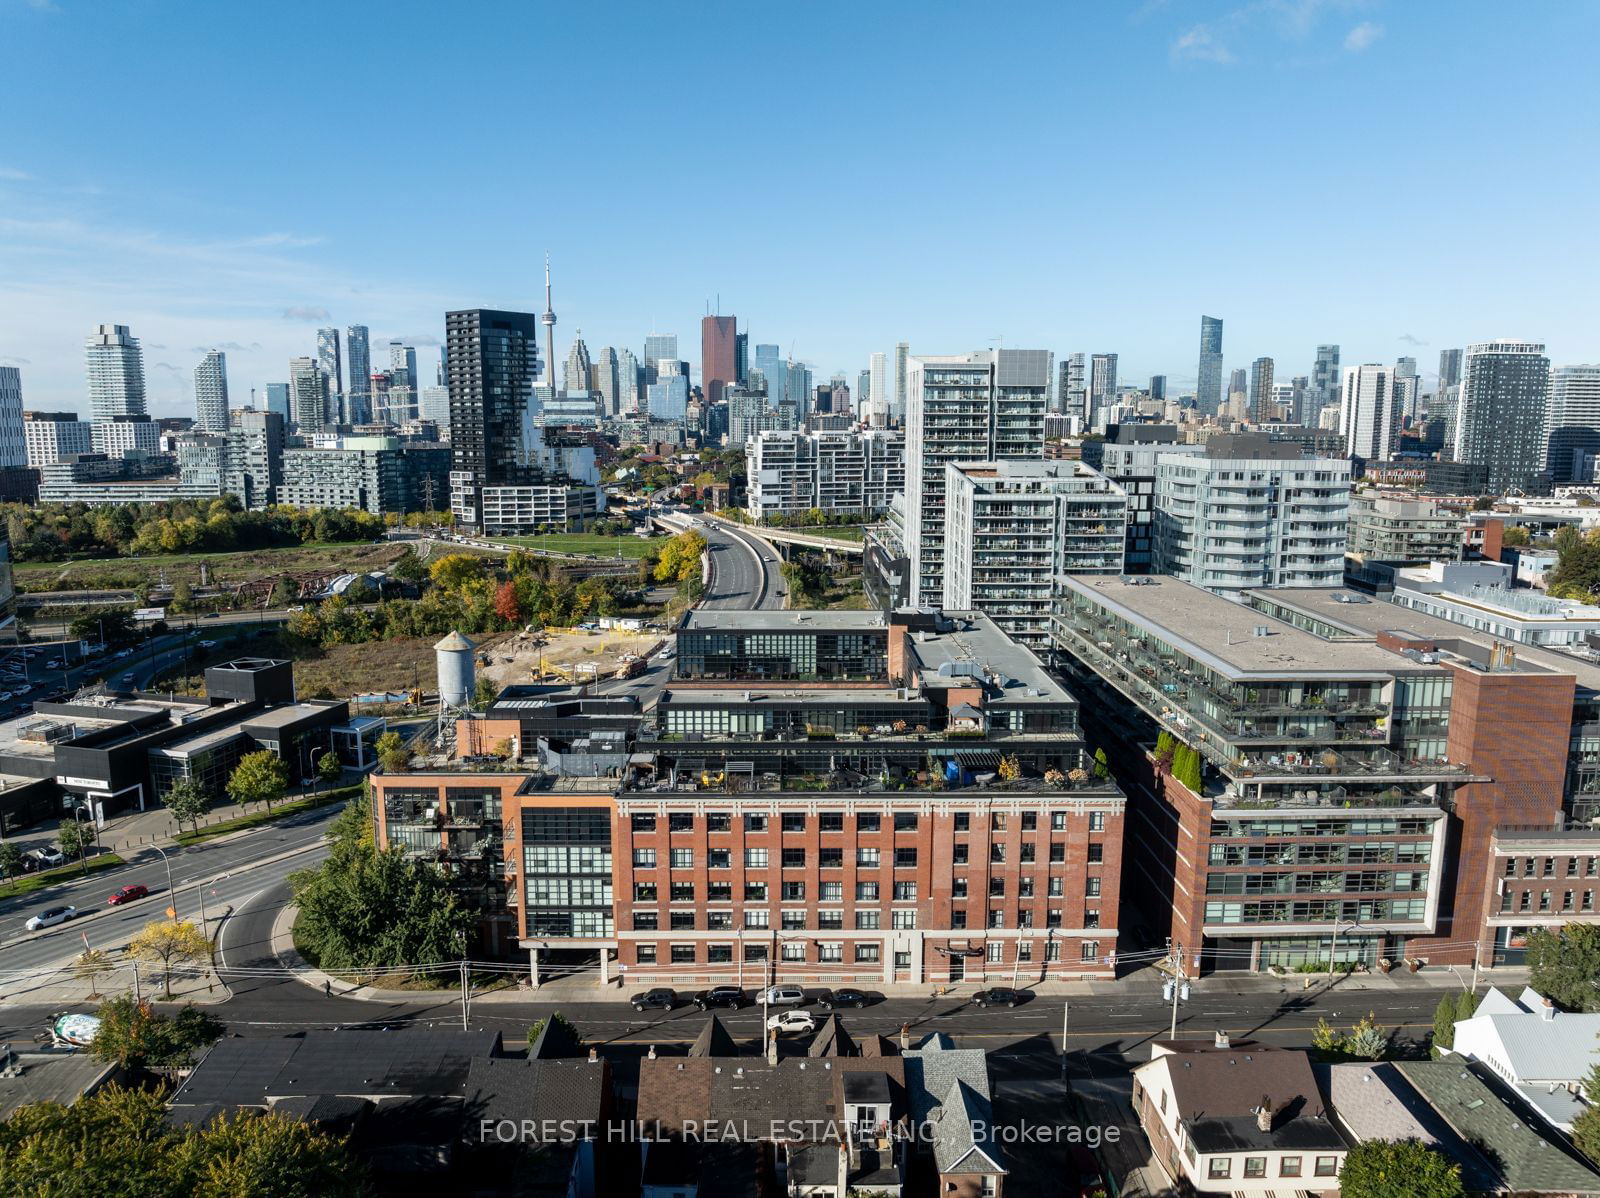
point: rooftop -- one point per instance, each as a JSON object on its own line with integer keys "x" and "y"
{"x": 973, "y": 638}
{"x": 291, "y": 714}
{"x": 711, "y": 620}
{"x": 1218, "y": 1091}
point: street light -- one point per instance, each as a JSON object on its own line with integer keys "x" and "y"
{"x": 174, "y": 897}
{"x": 1333, "y": 949}
{"x": 77, "y": 813}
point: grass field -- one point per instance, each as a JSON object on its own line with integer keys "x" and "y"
{"x": 29, "y": 883}
{"x": 575, "y": 542}
{"x": 280, "y": 811}
{"x": 110, "y": 573}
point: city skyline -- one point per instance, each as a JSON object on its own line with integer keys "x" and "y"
{"x": 195, "y": 252}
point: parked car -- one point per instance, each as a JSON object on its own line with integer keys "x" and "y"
{"x": 50, "y": 917}
{"x": 785, "y": 1022}
{"x": 660, "y": 999}
{"x": 46, "y": 858}
{"x": 126, "y": 894}
{"x": 212, "y": 615}
{"x": 208, "y": 644}
{"x": 785, "y": 996}
{"x": 1091, "y": 1178}
{"x": 720, "y": 996}
{"x": 845, "y": 996}
{"x": 999, "y": 996}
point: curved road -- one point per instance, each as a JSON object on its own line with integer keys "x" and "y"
{"x": 744, "y": 571}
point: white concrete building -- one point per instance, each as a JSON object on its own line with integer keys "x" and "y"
{"x": 1479, "y": 596}
{"x": 835, "y": 472}
{"x": 1011, "y": 527}
{"x": 115, "y": 365}
{"x": 118, "y": 438}
{"x": 51, "y": 436}
{"x": 211, "y": 390}
{"x": 1369, "y": 413}
{"x": 979, "y": 407}
{"x": 1251, "y": 512}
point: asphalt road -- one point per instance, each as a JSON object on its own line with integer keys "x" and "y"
{"x": 744, "y": 572}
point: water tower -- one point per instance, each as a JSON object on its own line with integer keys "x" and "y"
{"x": 454, "y": 656}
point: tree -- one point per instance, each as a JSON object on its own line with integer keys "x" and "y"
{"x": 1564, "y": 965}
{"x": 455, "y": 570}
{"x": 1102, "y": 767}
{"x": 1325, "y": 1038}
{"x": 394, "y": 755}
{"x": 1367, "y": 1040}
{"x": 1398, "y": 1169}
{"x": 1010, "y": 768}
{"x": 72, "y": 838}
{"x": 134, "y": 1035}
{"x": 119, "y": 1141}
{"x": 284, "y": 591}
{"x": 1514, "y": 537}
{"x": 369, "y": 909}
{"x": 350, "y": 832}
{"x": 1444, "y": 1026}
{"x": 88, "y": 965}
{"x": 10, "y": 859}
{"x": 187, "y": 800}
{"x": 167, "y": 943}
{"x": 506, "y": 606}
{"x": 182, "y": 596}
{"x": 260, "y": 777}
{"x": 557, "y": 1018}
{"x": 409, "y": 567}
{"x": 1586, "y": 1133}
{"x": 329, "y": 768}
{"x": 1165, "y": 744}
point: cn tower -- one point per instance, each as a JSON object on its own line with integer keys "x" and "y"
{"x": 549, "y": 322}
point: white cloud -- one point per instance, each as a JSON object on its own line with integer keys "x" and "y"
{"x": 12, "y": 175}
{"x": 305, "y": 312}
{"x": 1201, "y": 45}
{"x": 1362, "y": 36}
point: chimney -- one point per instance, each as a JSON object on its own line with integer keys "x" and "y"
{"x": 594, "y": 1055}
{"x": 1220, "y": 1039}
{"x": 844, "y": 1168}
{"x": 1548, "y": 1011}
{"x": 652, "y": 1053}
{"x": 1264, "y": 1114}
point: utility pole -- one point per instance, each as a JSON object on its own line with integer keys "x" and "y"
{"x": 1477, "y": 948}
{"x": 1066, "y": 1008}
{"x": 466, "y": 994}
{"x": 1177, "y": 989}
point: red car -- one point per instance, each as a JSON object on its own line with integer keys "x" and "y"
{"x": 127, "y": 894}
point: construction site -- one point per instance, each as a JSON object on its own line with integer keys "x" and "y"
{"x": 574, "y": 655}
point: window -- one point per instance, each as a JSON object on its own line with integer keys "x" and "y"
{"x": 1327, "y": 1166}
{"x": 903, "y": 918}
{"x": 905, "y": 892}
{"x": 905, "y": 858}
{"x": 683, "y": 892}
{"x": 792, "y": 950}
{"x": 830, "y": 952}
{"x": 719, "y": 954}
{"x": 1052, "y": 918}
{"x": 997, "y": 821}
{"x": 866, "y": 892}
{"x": 1030, "y": 820}
{"x": 963, "y": 822}
{"x": 794, "y": 858}
{"x": 792, "y": 921}
{"x": 830, "y": 858}
{"x": 1097, "y": 854}
{"x": 993, "y": 952}
{"x": 644, "y": 892}
{"x": 755, "y": 858}
{"x": 830, "y": 919}
{"x": 755, "y": 952}
{"x": 867, "y": 954}
{"x": 1091, "y": 888}
{"x": 1058, "y": 821}
{"x": 1028, "y": 854}
{"x": 1057, "y": 887}
{"x": 1289, "y": 1166}
{"x": 794, "y": 892}
{"x": 719, "y": 892}
{"x": 644, "y": 823}
{"x": 1088, "y": 950}
{"x": 683, "y": 954}
{"x": 997, "y": 888}
{"x": 1091, "y": 919}
{"x": 905, "y": 821}
{"x": 645, "y": 921}
{"x": 680, "y": 822}
{"x": 1097, "y": 821}
{"x": 1058, "y": 854}
{"x": 997, "y": 854}
{"x": 718, "y": 859}
{"x": 682, "y": 858}
{"x": 719, "y": 821}
{"x": 755, "y": 823}
{"x": 958, "y": 919}
{"x": 868, "y": 921}
{"x": 831, "y": 892}
{"x": 958, "y": 888}
{"x": 1255, "y": 1166}
{"x": 681, "y": 921}
{"x": 1544, "y": 900}
{"x": 867, "y": 858}
{"x": 831, "y": 821}
{"x": 1221, "y": 1166}
{"x": 794, "y": 821}
{"x": 644, "y": 858}
{"x": 757, "y": 919}
{"x": 1024, "y": 887}
{"x": 958, "y": 854}
{"x": 719, "y": 921}
{"x": 644, "y": 954}
{"x": 1511, "y": 867}
{"x": 869, "y": 821}
{"x": 997, "y": 919}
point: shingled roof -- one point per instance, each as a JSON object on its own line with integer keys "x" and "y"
{"x": 714, "y": 1040}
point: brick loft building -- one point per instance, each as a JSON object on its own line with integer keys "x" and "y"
{"x": 820, "y": 797}
{"x": 1377, "y": 783}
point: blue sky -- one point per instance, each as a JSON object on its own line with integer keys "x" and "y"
{"x": 1083, "y": 175}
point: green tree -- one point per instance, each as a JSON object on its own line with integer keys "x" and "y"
{"x": 1564, "y": 965}
{"x": 351, "y": 832}
{"x": 260, "y": 777}
{"x": 118, "y": 1141}
{"x": 409, "y": 567}
{"x": 455, "y": 570}
{"x": 1398, "y": 1169}
{"x": 369, "y": 909}
{"x": 1102, "y": 767}
{"x": 485, "y": 692}
{"x": 134, "y": 1034}
{"x": 10, "y": 859}
{"x": 1586, "y": 1132}
{"x": 1367, "y": 1041}
{"x": 187, "y": 800}
{"x": 1444, "y": 1026}
{"x": 554, "y": 1017}
{"x": 1165, "y": 745}
{"x": 73, "y": 838}
{"x": 88, "y": 965}
{"x": 284, "y": 591}
{"x": 182, "y": 596}
{"x": 329, "y": 768}
{"x": 394, "y": 755}
{"x": 1326, "y": 1038}
{"x": 168, "y": 944}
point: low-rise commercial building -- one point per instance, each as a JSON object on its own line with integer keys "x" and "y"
{"x": 1480, "y": 596}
